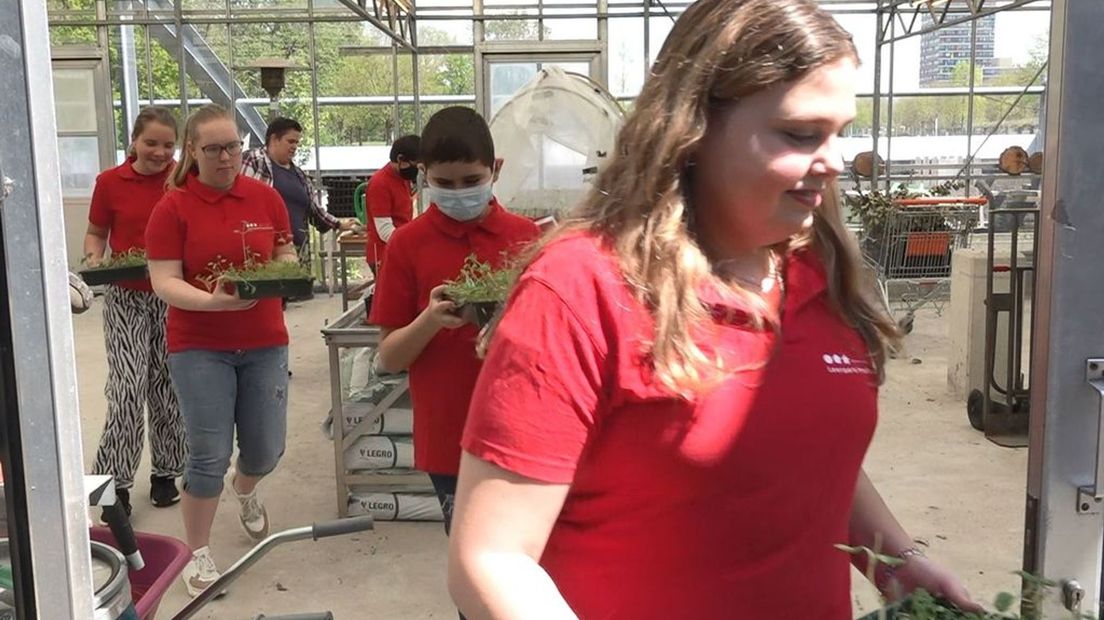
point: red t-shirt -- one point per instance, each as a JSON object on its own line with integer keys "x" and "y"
{"x": 200, "y": 225}
{"x": 387, "y": 195}
{"x": 724, "y": 505}
{"x": 122, "y": 202}
{"x": 421, "y": 256}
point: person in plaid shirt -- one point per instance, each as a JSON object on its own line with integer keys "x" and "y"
{"x": 273, "y": 164}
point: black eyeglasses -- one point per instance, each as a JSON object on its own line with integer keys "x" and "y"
{"x": 214, "y": 151}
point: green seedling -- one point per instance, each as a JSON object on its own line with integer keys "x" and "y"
{"x": 254, "y": 269}
{"x": 122, "y": 260}
{"x": 922, "y": 605}
{"x": 479, "y": 282}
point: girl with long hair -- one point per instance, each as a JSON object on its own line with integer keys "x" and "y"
{"x": 673, "y": 412}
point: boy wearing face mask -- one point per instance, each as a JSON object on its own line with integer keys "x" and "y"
{"x": 421, "y": 329}
{"x": 388, "y": 199}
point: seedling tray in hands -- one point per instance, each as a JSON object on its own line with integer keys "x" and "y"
{"x": 264, "y": 289}
{"x": 111, "y": 275}
{"x": 479, "y": 312}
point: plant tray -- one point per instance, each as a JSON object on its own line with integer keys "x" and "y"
{"x": 902, "y": 611}
{"x": 479, "y": 312}
{"x": 264, "y": 289}
{"x": 110, "y": 275}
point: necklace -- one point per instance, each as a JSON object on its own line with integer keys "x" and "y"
{"x": 766, "y": 284}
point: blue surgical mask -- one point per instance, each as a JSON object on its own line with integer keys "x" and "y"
{"x": 462, "y": 205}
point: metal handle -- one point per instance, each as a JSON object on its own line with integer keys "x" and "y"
{"x": 1090, "y": 498}
{"x": 341, "y": 527}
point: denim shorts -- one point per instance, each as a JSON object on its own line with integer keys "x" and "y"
{"x": 220, "y": 391}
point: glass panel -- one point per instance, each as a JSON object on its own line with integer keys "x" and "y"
{"x": 573, "y": 67}
{"x": 659, "y": 27}
{"x": 505, "y": 79}
{"x": 79, "y": 161}
{"x": 447, "y": 74}
{"x": 444, "y": 32}
{"x": 348, "y": 125}
{"x": 73, "y": 35}
{"x": 571, "y": 29}
{"x": 512, "y": 30}
{"x": 75, "y": 99}
{"x": 626, "y": 56}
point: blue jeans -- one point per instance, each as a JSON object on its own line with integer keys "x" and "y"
{"x": 221, "y": 390}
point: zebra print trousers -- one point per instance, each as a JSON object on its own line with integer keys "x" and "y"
{"x": 137, "y": 377}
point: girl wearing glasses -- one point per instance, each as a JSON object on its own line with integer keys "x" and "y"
{"x": 134, "y": 318}
{"x": 227, "y": 356}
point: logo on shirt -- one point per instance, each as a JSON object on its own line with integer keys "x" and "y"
{"x": 838, "y": 364}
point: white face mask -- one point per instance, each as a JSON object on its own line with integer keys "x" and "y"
{"x": 462, "y": 205}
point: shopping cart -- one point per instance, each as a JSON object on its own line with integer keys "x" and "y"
{"x": 910, "y": 253}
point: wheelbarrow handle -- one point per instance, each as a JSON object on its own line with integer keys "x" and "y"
{"x": 340, "y": 527}
{"x": 316, "y": 616}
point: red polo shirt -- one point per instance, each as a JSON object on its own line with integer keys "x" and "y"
{"x": 388, "y": 195}
{"x": 421, "y": 256}
{"x": 200, "y": 225}
{"x": 122, "y": 202}
{"x": 723, "y": 505}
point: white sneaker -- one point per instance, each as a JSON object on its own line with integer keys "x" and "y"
{"x": 252, "y": 514}
{"x": 200, "y": 571}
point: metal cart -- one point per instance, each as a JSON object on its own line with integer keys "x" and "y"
{"x": 350, "y": 331}
{"x": 1002, "y": 406}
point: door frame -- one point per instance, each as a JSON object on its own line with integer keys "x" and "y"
{"x": 96, "y": 60}
{"x": 490, "y": 52}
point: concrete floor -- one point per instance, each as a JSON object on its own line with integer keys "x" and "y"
{"x": 947, "y": 484}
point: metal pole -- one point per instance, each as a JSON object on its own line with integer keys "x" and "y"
{"x": 394, "y": 91}
{"x": 970, "y": 112}
{"x": 876, "y": 114}
{"x": 181, "y": 57}
{"x": 39, "y": 396}
{"x": 231, "y": 91}
{"x": 415, "y": 60}
{"x": 1064, "y": 525}
{"x": 128, "y": 66}
{"x": 315, "y": 121}
{"x": 889, "y": 108}
{"x": 149, "y": 66}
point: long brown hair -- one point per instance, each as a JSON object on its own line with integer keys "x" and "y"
{"x": 206, "y": 114}
{"x": 718, "y": 52}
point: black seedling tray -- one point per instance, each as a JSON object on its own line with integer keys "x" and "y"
{"x": 479, "y": 312}
{"x": 264, "y": 289}
{"x": 110, "y": 275}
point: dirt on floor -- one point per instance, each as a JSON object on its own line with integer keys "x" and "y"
{"x": 950, "y": 487}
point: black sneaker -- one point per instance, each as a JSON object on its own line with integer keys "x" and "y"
{"x": 163, "y": 492}
{"x": 122, "y": 498}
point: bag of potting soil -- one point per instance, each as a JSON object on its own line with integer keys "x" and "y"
{"x": 395, "y": 504}
{"x": 361, "y": 383}
{"x": 374, "y": 452}
{"x": 393, "y": 421}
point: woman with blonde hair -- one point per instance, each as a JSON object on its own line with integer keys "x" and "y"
{"x": 674, "y": 408}
{"x": 227, "y": 356}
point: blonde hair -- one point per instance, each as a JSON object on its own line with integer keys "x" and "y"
{"x": 718, "y": 52}
{"x": 206, "y": 114}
